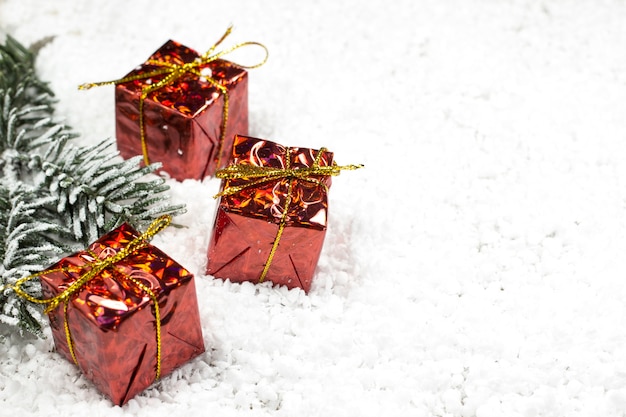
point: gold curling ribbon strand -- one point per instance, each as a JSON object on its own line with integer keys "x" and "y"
{"x": 161, "y": 71}
{"x": 176, "y": 71}
{"x": 157, "y": 319}
{"x": 96, "y": 267}
{"x": 220, "y": 143}
{"x": 68, "y": 334}
{"x": 260, "y": 174}
{"x": 279, "y": 233}
{"x": 283, "y": 222}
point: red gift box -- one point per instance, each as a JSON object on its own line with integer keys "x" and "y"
{"x": 111, "y": 332}
{"x": 248, "y": 242}
{"x": 183, "y": 120}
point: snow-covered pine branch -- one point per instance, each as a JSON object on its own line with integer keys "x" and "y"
{"x": 56, "y": 197}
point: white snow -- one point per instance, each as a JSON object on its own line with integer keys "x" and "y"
{"x": 475, "y": 267}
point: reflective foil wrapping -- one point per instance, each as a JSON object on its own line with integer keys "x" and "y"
{"x": 112, "y": 321}
{"x": 247, "y": 222}
{"x": 183, "y": 119}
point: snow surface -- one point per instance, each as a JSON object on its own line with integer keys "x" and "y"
{"x": 475, "y": 267}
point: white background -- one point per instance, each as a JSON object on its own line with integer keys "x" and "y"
{"x": 475, "y": 267}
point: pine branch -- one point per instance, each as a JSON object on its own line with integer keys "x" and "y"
{"x": 27, "y": 102}
{"x": 56, "y": 197}
{"x": 27, "y": 243}
{"x": 97, "y": 191}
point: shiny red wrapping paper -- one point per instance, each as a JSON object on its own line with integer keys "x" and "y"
{"x": 247, "y": 222}
{"x": 183, "y": 119}
{"x": 112, "y": 321}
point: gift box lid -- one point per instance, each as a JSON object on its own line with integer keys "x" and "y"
{"x": 189, "y": 94}
{"x": 110, "y": 297}
{"x": 308, "y": 205}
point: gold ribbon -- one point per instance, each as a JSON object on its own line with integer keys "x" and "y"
{"x": 260, "y": 174}
{"x": 96, "y": 267}
{"x": 174, "y": 72}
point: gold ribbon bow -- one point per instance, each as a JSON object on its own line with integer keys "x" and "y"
{"x": 95, "y": 268}
{"x": 260, "y": 174}
{"x": 174, "y": 72}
